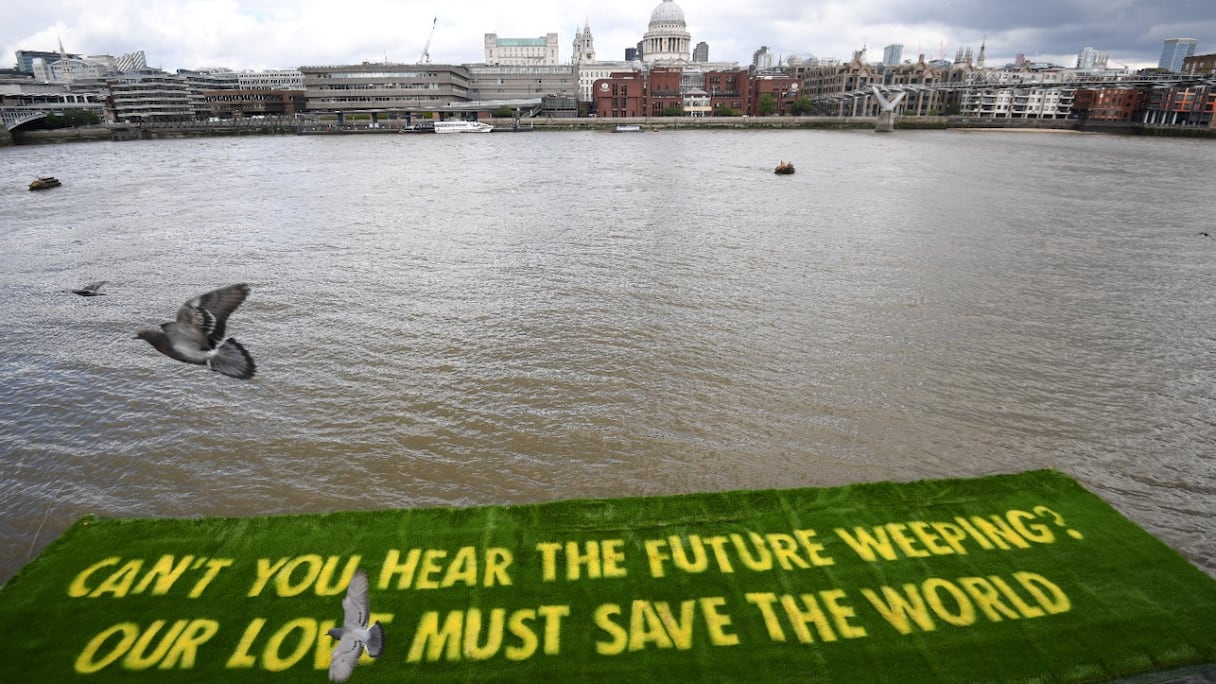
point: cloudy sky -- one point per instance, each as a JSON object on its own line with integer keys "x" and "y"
{"x": 265, "y": 34}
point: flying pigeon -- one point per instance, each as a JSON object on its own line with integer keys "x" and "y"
{"x": 354, "y": 636}
{"x": 90, "y": 290}
{"x": 197, "y": 336}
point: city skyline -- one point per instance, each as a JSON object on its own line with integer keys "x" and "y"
{"x": 270, "y": 34}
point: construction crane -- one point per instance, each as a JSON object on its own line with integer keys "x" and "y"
{"x": 426, "y": 49}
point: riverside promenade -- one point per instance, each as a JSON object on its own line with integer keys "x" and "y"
{"x": 303, "y": 125}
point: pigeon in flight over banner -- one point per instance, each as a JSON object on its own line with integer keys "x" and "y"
{"x": 197, "y": 336}
{"x": 90, "y": 290}
{"x": 354, "y": 636}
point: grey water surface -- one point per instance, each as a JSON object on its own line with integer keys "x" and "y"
{"x": 468, "y": 320}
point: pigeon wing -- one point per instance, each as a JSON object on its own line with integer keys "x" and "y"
{"x": 344, "y": 658}
{"x": 355, "y": 614}
{"x": 355, "y": 608}
{"x": 231, "y": 358}
{"x": 209, "y": 312}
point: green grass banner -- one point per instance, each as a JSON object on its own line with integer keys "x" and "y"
{"x": 1010, "y": 578}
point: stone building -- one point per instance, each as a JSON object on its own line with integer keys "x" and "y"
{"x": 540, "y": 51}
{"x": 846, "y": 89}
{"x": 671, "y": 75}
{"x": 841, "y": 89}
{"x": 918, "y": 80}
{"x": 588, "y": 68}
{"x": 584, "y": 45}
{"x": 667, "y": 38}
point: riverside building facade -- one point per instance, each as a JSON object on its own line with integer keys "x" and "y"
{"x": 660, "y": 90}
{"x": 494, "y": 85}
{"x": 385, "y": 88}
{"x": 149, "y": 95}
{"x": 656, "y": 78}
{"x": 667, "y": 76}
{"x": 272, "y": 79}
{"x": 25, "y": 99}
{"x": 237, "y": 103}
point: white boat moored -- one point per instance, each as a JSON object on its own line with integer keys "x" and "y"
{"x": 462, "y": 127}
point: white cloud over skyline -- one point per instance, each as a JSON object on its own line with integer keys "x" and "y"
{"x": 265, "y": 34}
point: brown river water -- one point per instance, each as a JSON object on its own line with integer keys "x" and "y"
{"x": 468, "y": 320}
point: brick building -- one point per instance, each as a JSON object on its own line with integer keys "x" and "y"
{"x": 1200, "y": 64}
{"x": 781, "y": 88}
{"x": 663, "y": 90}
{"x": 653, "y": 92}
{"x": 620, "y": 95}
{"x": 1108, "y": 104}
{"x": 1181, "y": 105}
{"x": 729, "y": 89}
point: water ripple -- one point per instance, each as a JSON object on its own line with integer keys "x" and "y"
{"x": 445, "y": 321}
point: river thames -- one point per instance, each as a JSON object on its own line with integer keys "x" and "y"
{"x": 495, "y": 319}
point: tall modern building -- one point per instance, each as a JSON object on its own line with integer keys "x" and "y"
{"x": 893, "y": 54}
{"x": 762, "y": 59}
{"x": 1174, "y": 51}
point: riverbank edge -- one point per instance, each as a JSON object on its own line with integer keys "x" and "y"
{"x": 293, "y": 127}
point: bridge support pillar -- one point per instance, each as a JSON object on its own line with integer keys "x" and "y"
{"x": 886, "y": 114}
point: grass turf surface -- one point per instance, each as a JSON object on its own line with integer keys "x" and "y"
{"x": 1009, "y": 578}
